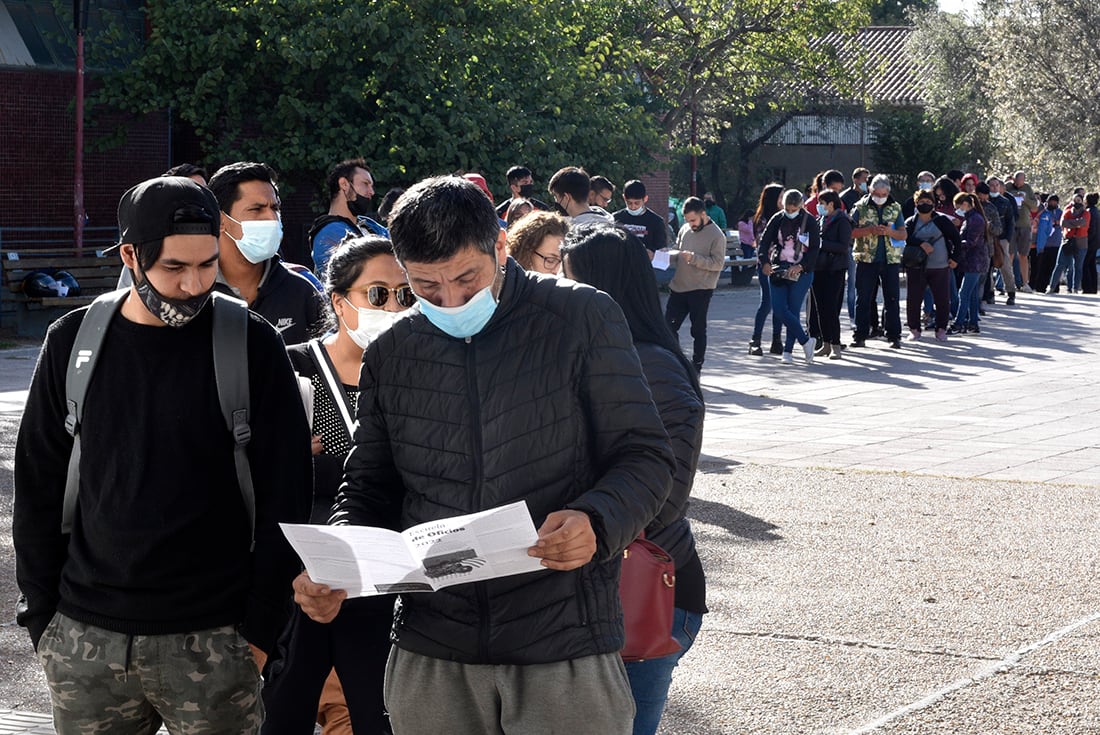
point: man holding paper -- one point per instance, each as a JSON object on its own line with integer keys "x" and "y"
{"x": 503, "y": 387}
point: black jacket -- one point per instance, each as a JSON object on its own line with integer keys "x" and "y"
{"x": 547, "y": 404}
{"x": 836, "y": 244}
{"x": 288, "y": 301}
{"x": 682, "y": 411}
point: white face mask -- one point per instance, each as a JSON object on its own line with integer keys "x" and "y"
{"x": 372, "y": 322}
{"x": 924, "y": 185}
{"x": 636, "y": 212}
{"x": 879, "y": 200}
{"x": 260, "y": 238}
{"x": 994, "y": 194}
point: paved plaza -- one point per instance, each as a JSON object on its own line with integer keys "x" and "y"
{"x": 895, "y": 542}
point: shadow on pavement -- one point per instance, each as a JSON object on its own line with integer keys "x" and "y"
{"x": 732, "y": 520}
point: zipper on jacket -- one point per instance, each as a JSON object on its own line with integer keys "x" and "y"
{"x": 476, "y": 439}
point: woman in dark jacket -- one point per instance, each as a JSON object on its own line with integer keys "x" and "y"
{"x": 973, "y": 261}
{"x": 791, "y": 242}
{"x": 341, "y": 663}
{"x": 616, "y": 262}
{"x": 829, "y": 272}
{"x": 938, "y": 239}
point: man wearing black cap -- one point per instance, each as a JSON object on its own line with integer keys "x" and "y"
{"x": 143, "y": 612}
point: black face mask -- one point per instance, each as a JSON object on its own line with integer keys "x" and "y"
{"x": 173, "y": 312}
{"x": 924, "y": 208}
{"x": 1052, "y": 207}
{"x": 359, "y": 206}
{"x": 527, "y": 191}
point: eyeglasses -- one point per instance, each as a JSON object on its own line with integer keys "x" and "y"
{"x": 603, "y": 200}
{"x": 550, "y": 261}
{"x": 377, "y": 296}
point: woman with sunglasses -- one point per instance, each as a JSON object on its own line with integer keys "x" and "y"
{"x": 535, "y": 241}
{"x": 367, "y": 291}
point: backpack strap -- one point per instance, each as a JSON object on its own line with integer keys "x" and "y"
{"x": 82, "y": 360}
{"x": 231, "y": 375}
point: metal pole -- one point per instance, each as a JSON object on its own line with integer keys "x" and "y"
{"x": 694, "y": 158}
{"x": 78, "y": 174}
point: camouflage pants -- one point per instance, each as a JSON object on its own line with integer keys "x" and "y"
{"x": 106, "y": 682}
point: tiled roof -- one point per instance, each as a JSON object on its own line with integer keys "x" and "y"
{"x": 890, "y": 74}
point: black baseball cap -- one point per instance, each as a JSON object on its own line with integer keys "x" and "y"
{"x": 167, "y": 205}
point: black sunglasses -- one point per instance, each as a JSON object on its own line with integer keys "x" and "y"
{"x": 377, "y": 296}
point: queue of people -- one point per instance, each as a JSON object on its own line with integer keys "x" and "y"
{"x": 453, "y": 369}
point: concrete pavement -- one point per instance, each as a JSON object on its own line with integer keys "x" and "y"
{"x": 896, "y": 542}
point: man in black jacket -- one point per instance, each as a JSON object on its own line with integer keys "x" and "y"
{"x": 501, "y": 387}
{"x": 140, "y": 615}
{"x": 249, "y": 265}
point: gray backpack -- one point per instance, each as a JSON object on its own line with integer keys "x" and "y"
{"x": 230, "y": 372}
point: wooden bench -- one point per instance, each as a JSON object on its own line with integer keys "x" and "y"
{"x": 742, "y": 269}
{"x": 32, "y": 315}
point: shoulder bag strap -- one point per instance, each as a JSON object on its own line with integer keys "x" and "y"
{"x": 335, "y": 389}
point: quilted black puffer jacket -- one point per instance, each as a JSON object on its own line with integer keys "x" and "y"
{"x": 548, "y": 404}
{"x": 682, "y": 410}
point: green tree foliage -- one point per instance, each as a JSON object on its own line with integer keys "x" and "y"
{"x": 953, "y": 55}
{"x": 897, "y": 12}
{"x": 417, "y": 88}
{"x": 908, "y": 142}
{"x": 1044, "y": 88}
{"x": 739, "y": 69}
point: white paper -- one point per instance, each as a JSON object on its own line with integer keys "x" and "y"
{"x": 662, "y": 259}
{"x": 305, "y": 388}
{"x": 368, "y": 561}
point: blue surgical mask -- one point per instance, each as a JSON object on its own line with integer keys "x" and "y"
{"x": 791, "y": 215}
{"x": 461, "y": 321}
{"x": 924, "y": 185}
{"x": 961, "y": 212}
{"x": 260, "y": 238}
{"x": 636, "y": 212}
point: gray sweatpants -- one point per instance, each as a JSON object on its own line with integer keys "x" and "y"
{"x": 427, "y": 696}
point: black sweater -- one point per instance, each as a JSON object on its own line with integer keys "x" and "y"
{"x": 160, "y": 537}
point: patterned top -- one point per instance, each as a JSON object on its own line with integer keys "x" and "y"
{"x": 327, "y": 419}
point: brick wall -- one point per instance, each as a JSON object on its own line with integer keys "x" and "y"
{"x": 36, "y": 152}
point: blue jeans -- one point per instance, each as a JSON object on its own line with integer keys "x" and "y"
{"x": 650, "y": 680}
{"x": 787, "y": 303}
{"x": 764, "y": 309}
{"x": 1071, "y": 261}
{"x": 970, "y": 296}
{"x": 851, "y": 288}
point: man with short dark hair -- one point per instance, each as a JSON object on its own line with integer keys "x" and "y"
{"x": 249, "y": 265}
{"x": 857, "y": 190}
{"x": 701, "y": 248}
{"x": 640, "y": 220}
{"x": 570, "y": 187}
{"x": 602, "y": 192}
{"x": 350, "y": 190}
{"x": 142, "y": 613}
{"x": 521, "y": 182}
{"x": 460, "y": 410}
{"x": 188, "y": 171}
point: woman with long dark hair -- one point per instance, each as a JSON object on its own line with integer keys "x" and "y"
{"x": 765, "y": 209}
{"x": 617, "y": 263}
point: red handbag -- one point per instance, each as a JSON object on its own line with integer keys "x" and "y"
{"x": 647, "y": 590}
